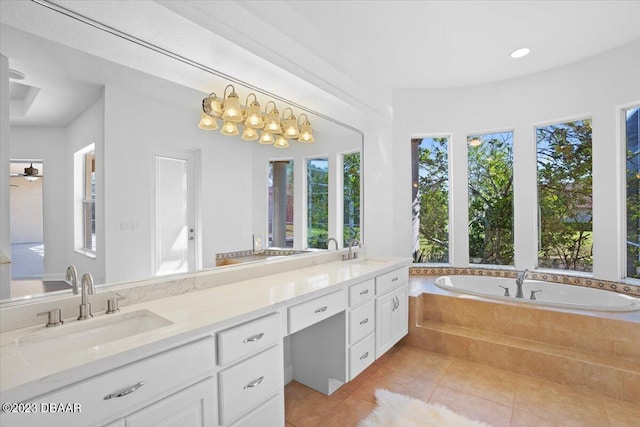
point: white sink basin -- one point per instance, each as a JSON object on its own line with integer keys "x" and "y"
{"x": 83, "y": 335}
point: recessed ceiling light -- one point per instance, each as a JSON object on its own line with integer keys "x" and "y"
{"x": 519, "y": 53}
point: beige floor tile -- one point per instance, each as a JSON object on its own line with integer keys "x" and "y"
{"x": 307, "y": 410}
{"x": 419, "y": 363}
{"x": 473, "y": 407}
{"x": 622, "y": 414}
{"x": 559, "y": 403}
{"x": 348, "y": 413}
{"x": 521, "y": 418}
{"x": 482, "y": 381}
{"x": 396, "y": 382}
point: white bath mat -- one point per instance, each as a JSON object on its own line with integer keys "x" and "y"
{"x": 397, "y": 410}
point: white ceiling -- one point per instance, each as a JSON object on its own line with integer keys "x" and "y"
{"x": 438, "y": 44}
{"x": 341, "y": 58}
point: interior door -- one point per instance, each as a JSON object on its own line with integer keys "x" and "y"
{"x": 174, "y": 229}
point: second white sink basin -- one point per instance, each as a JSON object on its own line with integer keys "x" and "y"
{"x": 82, "y": 335}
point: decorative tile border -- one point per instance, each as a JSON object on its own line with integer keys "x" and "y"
{"x": 587, "y": 282}
{"x": 266, "y": 252}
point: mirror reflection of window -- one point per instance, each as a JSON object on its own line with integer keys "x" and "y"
{"x": 351, "y": 197}
{"x": 89, "y": 202}
{"x": 281, "y": 204}
{"x": 317, "y": 203}
{"x": 84, "y": 185}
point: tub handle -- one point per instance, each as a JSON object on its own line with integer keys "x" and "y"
{"x": 533, "y": 293}
{"x": 506, "y": 291}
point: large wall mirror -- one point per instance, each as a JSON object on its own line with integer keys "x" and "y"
{"x": 110, "y": 172}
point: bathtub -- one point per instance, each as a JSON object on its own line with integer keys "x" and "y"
{"x": 552, "y": 294}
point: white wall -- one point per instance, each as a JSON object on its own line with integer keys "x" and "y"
{"x": 48, "y": 145}
{"x": 593, "y": 88}
{"x": 136, "y": 128}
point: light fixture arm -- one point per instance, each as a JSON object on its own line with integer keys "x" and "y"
{"x": 267, "y": 105}
{"x": 224, "y": 95}
{"x": 306, "y": 119}
{"x": 212, "y": 94}
{"x": 255, "y": 99}
{"x": 289, "y": 116}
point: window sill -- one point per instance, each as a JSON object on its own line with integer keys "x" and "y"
{"x": 86, "y": 252}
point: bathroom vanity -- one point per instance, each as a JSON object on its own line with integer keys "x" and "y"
{"x": 212, "y": 357}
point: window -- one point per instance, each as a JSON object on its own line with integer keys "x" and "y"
{"x": 281, "y": 204}
{"x": 89, "y": 202}
{"x": 317, "y": 202}
{"x": 632, "y": 123}
{"x": 565, "y": 196}
{"x": 430, "y": 199}
{"x": 84, "y": 189}
{"x": 351, "y": 197}
{"x": 490, "y": 158}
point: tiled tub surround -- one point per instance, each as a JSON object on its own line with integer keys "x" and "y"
{"x": 594, "y": 351}
{"x": 588, "y": 282}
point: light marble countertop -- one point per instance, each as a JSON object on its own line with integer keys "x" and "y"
{"x": 194, "y": 315}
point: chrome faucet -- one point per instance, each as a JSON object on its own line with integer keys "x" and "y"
{"x": 519, "y": 281}
{"x": 352, "y": 254}
{"x": 72, "y": 276}
{"x": 331, "y": 239}
{"x": 87, "y": 288}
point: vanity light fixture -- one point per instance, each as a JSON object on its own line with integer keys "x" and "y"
{"x": 249, "y": 134}
{"x": 266, "y": 138}
{"x": 519, "y": 53}
{"x": 306, "y": 133}
{"x": 475, "y": 141}
{"x": 253, "y": 114}
{"x": 229, "y": 129}
{"x": 281, "y": 142}
{"x": 232, "y": 112}
{"x": 276, "y": 129}
{"x": 207, "y": 122}
{"x": 290, "y": 124}
{"x": 272, "y": 119}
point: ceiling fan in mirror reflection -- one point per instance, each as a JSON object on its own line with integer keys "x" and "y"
{"x": 30, "y": 173}
{"x": 276, "y": 130}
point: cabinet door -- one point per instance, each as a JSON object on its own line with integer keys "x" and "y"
{"x": 401, "y": 314}
{"x": 385, "y": 311}
{"x": 194, "y": 406}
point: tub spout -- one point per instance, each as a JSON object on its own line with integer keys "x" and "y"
{"x": 519, "y": 281}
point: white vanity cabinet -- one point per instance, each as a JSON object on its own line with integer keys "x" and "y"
{"x": 392, "y": 313}
{"x": 251, "y": 379}
{"x": 171, "y": 375}
{"x": 361, "y": 326}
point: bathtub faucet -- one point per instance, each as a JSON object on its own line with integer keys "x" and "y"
{"x": 519, "y": 281}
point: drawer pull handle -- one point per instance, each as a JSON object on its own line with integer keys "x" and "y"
{"x": 253, "y": 338}
{"x": 364, "y": 356}
{"x": 254, "y": 383}
{"x": 366, "y": 291}
{"x": 362, "y": 322}
{"x": 395, "y": 279}
{"x": 321, "y": 309}
{"x": 125, "y": 391}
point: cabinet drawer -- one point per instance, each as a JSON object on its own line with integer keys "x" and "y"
{"x": 268, "y": 414}
{"x": 247, "y": 384}
{"x": 361, "y": 322}
{"x": 154, "y": 377}
{"x": 386, "y": 282}
{"x": 248, "y": 338}
{"x": 361, "y": 355}
{"x": 361, "y": 292}
{"x": 310, "y": 312}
